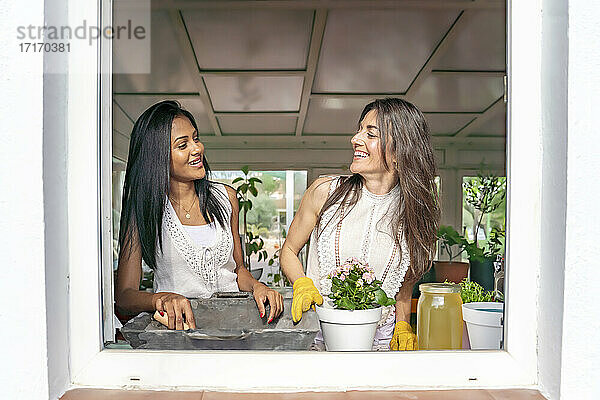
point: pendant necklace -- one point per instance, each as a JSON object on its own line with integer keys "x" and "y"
{"x": 187, "y": 212}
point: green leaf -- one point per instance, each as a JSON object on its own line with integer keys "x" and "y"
{"x": 253, "y": 191}
{"x": 337, "y": 281}
{"x": 271, "y": 262}
{"x": 346, "y": 304}
{"x": 474, "y": 252}
{"x": 254, "y": 180}
{"x": 236, "y": 180}
{"x": 245, "y": 169}
{"x": 450, "y": 236}
{"x": 382, "y": 299}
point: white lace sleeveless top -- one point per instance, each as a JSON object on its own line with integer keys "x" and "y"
{"x": 190, "y": 269}
{"x": 365, "y": 233}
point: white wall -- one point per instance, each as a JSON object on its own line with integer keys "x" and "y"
{"x": 580, "y": 377}
{"x": 554, "y": 48}
{"x": 23, "y": 343}
{"x": 55, "y": 209}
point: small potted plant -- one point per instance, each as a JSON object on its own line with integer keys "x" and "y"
{"x": 452, "y": 271}
{"x": 483, "y": 314}
{"x": 253, "y": 243}
{"x": 485, "y": 194}
{"x": 350, "y": 314}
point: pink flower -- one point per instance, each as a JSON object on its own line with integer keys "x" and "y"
{"x": 368, "y": 277}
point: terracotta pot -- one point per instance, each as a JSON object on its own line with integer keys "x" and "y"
{"x": 452, "y": 271}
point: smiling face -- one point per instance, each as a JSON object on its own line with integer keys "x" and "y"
{"x": 187, "y": 152}
{"x": 368, "y": 157}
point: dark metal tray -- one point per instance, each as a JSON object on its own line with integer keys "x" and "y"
{"x": 226, "y": 322}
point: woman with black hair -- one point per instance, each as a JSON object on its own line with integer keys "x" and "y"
{"x": 386, "y": 214}
{"x": 181, "y": 224}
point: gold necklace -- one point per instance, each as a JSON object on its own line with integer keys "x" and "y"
{"x": 187, "y": 212}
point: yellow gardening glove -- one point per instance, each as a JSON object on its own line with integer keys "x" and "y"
{"x": 305, "y": 294}
{"x": 403, "y": 338}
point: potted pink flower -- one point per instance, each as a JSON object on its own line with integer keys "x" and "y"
{"x": 349, "y": 315}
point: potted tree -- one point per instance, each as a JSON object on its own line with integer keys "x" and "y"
{"x": 485, "y": 194}
{"x": 252, "y": 243}
{"x": 483, "y": 314}
{"x": 452, "y": 271}
{"x": 482, "y": 259}
{"x": 349, "y": 315}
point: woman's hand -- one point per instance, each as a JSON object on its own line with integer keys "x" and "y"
{"x": 261, "y": 294}
{"x": 305, "y": 295}
{"x": 403, "y": 338}
{"x": 177, "y": 308}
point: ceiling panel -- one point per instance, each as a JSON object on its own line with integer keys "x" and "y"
{"x": 480, "y": 45}
{"x": 168, "y": 72}
{"x": 495, "y": 126}
{"x": 447, "y": 124}
{"x": 257, "y": 124}
{"x": 250, "y": 39}
{"x": 135, "y": 105}
{"x": 121, "y": 122}
{"x": 333, "y": 115}
{"x": 457, "y": 93}
{"x": 255, "y": 93}
{"x": 377, "y": 51}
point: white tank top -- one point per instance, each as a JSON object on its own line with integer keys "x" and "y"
{"x": 202, "y": 235}
{"x": 365, "y": 233}
{"x": 196, "y": 261}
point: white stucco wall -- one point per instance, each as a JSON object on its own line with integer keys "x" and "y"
{"x": 23, "y": 345}
{"x": 580, "y": 377}
{"x": 55, "y": 209}
{"x": 554, "y": 47}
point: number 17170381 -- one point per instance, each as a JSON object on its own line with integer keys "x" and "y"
{"x": 40, "y": 47}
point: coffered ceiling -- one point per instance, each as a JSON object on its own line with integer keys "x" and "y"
{"x": 295, "y": 68}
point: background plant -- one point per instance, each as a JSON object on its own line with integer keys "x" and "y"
{"x": 449, "y": 239}
{"x": 354, "y": 287}
{"x": 472, "y": 292}
{"x": 277, "y": 278}
{"x": 253, "y": 243}
{"x": 484, "y": 195}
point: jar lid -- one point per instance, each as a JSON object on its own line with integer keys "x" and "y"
{"x": 439, "y": 288}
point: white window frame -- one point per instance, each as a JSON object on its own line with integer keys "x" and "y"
{"x": 91, "y": 365}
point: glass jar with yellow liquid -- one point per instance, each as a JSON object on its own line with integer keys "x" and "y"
{"x": 439, "y": 317}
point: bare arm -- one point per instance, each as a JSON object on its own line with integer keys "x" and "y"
{"x": 302, "y": 226}
{"x": 403, "y": 300}
{"x": 129, "y": 299}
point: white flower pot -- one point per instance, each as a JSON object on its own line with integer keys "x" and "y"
{"x": 348, "y": 330}
{"x": 484, "y": 323}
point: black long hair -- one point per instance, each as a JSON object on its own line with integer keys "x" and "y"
{"x": 147, "y": 179}
{"x": 418, "y": 213}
